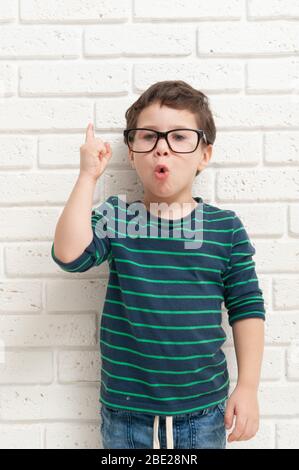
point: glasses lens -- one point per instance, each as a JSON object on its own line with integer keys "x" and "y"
{"x": 143, "y": 140}
{"x": 183, "y": 140}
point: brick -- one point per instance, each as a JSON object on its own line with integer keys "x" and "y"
{"x": 60, "y": 151}
{"x": 36, "y": 187}
{"x": 74, "y": 10}
{"x": 20, "y": 436}
{"x": 190, "y": 9}
{"x": 286, "y": 293}
{"x": 282, "y": 148}
{"x": 257, "y": 185}
{"x": 8, "y": 11}
{"x": 281, "y": 328}
{"x": 110, "y": 113}
{"x": 269, "y": 75}
{"x": 243, "y": 39}
{"x": 45, "y": 114}
{"x": 294, "y": 219}
{"x": 292, "y": 362}
{"x": 273, "y": 9}
{"x": 72, "y": 436}
{"x": 237, "y": 149}
{"x": 138, "y": 40}
{"x": 287, "y": 433}
{"x": 20, "y": 296}
{"x": 1, "y": 261}
{"x": 214, "y": 76}
{"x": 33, "y": 222}
{"x": 48, "y": 330}
{"x": 75, "y": 295}
{"x": 78, "y": 366}
{"x": 49, "y": 403}
{"x": 74, "y": 79}
{"x": 34, "y": 259}
{"x": 17, "y": 152}
{"x": 39, "y": 42}
{"x": 255, "y": 113}
{"x": 279, "y": 400}
{"x": 8, "y": 80}
{"x": 27, "y": 367}
{"x": 277, "y": 256}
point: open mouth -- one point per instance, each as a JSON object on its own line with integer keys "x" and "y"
{"x": 161, "y": 172}
{"x": 161, "y": 169}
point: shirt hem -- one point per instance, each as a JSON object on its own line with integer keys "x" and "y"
{"x": 144, "y": 408}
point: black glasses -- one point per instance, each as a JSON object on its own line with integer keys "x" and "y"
{"x": 142, "y": 139}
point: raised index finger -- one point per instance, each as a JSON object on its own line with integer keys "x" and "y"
{"x": 89, "y": 132}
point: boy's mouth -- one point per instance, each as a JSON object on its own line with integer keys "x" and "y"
{"x": 161, "y": 172}
{"x": 161, "y": 168}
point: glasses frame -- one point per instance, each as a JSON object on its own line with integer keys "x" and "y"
{"x": 200, "y": 134}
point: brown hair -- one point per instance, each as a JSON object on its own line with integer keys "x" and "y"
{"x": 176, "y": 94}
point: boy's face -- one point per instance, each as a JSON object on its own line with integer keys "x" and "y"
{"x": 182, "y": 166}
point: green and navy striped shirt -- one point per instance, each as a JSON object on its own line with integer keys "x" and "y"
{"x": 161, "y": 333}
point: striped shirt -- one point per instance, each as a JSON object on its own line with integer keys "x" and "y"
{"x": 161, "y": 333}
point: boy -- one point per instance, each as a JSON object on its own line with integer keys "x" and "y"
{"x": 161, "y": 333}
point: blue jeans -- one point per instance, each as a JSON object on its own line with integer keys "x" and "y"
{"x": 126, "y": 429}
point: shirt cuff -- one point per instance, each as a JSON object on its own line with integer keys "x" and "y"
{"x": 82, "y": 263}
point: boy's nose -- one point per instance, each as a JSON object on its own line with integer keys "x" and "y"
{"x": 161, "y": 146}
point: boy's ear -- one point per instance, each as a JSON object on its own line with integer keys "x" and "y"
{"x": 131, "y": 158}
{"x": 206, "y": 156}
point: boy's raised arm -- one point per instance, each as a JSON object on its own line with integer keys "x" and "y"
{"x": 73, "y": 231}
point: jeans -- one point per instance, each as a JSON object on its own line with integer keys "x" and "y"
{"x": 126, "y": 429}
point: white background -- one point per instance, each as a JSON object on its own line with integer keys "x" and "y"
{"x": 66, "y": 63}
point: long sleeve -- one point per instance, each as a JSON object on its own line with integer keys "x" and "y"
{"x": 243, "y": 297}
{"x": 96, "y": 252}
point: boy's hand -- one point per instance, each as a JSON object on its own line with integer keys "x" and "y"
{"x": 244, "y": 404}
{"x": 94, "y": 155}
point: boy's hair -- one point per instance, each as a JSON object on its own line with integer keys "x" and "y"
{"x": 176, "y": 94}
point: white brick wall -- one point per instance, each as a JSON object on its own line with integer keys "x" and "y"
{"x": 63, "y": 64}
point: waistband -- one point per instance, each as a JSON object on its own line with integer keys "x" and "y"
{"x": 169, "y": 432}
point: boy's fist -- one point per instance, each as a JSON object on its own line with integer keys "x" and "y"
{"x": 94, "y": 155}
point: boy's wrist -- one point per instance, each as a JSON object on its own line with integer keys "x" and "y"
{"x": 248, "y": 386}
{"x": 86, "y": 177}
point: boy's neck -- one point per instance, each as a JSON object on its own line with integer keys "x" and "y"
{"x": 181, "y": 206}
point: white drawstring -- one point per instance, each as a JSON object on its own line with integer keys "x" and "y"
{"x": 169, "y": 432}
{"x": 156, "y": 444}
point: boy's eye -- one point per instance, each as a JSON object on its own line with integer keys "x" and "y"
{"x": 150, "y": 136}
{"x": 177, "y": 136}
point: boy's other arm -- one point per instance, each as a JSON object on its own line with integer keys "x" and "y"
{"x": 245, "y": 303}
{"x": 248, "y": 336}
{"x": 243, "y": 402}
